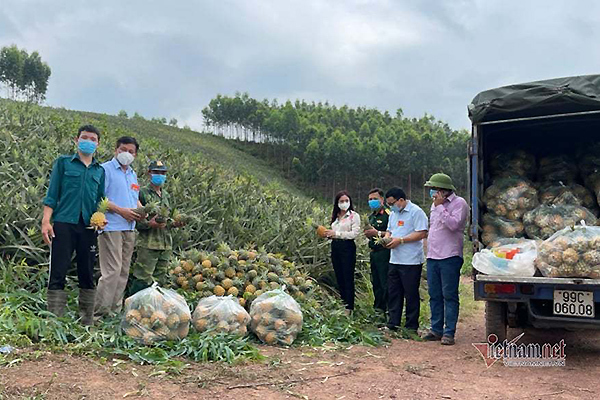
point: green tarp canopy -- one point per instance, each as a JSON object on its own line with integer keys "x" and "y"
{"x": 549, "y": 97}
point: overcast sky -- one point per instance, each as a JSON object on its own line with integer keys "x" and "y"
{"x": 169, "y": 58}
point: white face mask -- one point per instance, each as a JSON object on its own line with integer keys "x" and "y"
{"x": 344, "y": 205}
{"x": 125, "y": 158}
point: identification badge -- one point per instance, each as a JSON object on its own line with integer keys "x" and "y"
{"x": 400, "y": 223}
{"x": 135, "y": 187}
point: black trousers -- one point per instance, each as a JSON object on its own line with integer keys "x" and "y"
{"x": 403, "y": 283}
{"x": 343, "y": 258}
{"x": 380, "y": 260}
{"x": 69, "y": 238}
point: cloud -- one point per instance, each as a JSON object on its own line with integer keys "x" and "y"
{"x": 170, "y": 58}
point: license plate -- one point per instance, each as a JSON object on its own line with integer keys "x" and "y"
{"x": 574, "y": 303}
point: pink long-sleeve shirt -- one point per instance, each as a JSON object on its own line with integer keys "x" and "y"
{"x": 447, "y": 224}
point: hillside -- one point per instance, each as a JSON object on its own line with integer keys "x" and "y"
{"x": 235, "y": 198}
{"x": 214, "y": 150}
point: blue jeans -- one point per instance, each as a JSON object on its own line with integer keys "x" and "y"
{"x": 442, "y": 280}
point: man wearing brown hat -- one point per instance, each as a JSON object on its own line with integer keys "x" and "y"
{"x": 447, "y": 222}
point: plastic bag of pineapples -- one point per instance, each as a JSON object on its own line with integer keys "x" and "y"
{"x": 221, "y": 315}
{"x": 511, "y": 198}
{"x": 571, "y": 252}
{"x": 495, "y": 228}
{"x": 572, "y": 194}
{"x": 557, "y": 168}
{"x": 513, "y": 163}
{"x": 545, "y": 220}
{"x": 155, "y": 314}
{"x": 276, "y": 318}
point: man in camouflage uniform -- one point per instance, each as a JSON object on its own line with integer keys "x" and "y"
{"x": 154, "y": 243}
{"x": 380, "y": 256}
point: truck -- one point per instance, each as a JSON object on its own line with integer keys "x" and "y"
{"x": 551, "y": 116}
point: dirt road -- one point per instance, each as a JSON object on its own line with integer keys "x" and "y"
{"x": 403, "y": 370}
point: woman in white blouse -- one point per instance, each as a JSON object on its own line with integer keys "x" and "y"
{"x": 345, "y": 227}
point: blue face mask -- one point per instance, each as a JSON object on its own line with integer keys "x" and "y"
{"x": 395, "y": 208}
{"x": 87, "y": 146}
{"x": 432, "y": 192}
{"x": 374, "y": 204}
{"x": 158, "y": 179}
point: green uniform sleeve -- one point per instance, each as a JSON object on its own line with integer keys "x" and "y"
{"x": 101, "y": 187}
{"x": 53, "y": 194}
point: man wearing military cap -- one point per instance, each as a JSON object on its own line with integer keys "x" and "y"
{"x": 447, "y": 223}
{"x": 154, "y": 244}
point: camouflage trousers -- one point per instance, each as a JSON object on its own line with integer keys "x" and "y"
{"x": 150, "y": 266}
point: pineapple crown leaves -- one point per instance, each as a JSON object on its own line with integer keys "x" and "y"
{"x": 103, "y": 205}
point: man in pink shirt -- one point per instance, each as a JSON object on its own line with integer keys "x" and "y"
{"x": 447, "y": 223}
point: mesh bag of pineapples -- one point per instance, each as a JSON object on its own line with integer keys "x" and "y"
{"x": 511, "y": 198}
{"x": 155, "y": 314}
{"x": 276, "y": 318}
{"x": 571, "y": 252}
{"x": 220, "y": 315}
{"x": 545, "y": 220}
{"x": 496, "y": 228}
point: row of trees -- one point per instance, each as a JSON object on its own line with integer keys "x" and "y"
{"x": 330, "y": 148}
{"x": 24, "y": 75}
{"x": 162, "y": 120}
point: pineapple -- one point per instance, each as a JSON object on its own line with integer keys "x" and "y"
{"x": 383, "y": 241}
{"x": 321, "y": 231}
{"x": 219, "y": 290}
{"x": 233, "y": 291}
{"x": 270, "y": 338}
{"x": 173, "y": 321}
{"x": 230, "y": 272}
{"x": 227, "y": 283}
{"x": 98, "y": 220}
{"x": 570, "y": 257}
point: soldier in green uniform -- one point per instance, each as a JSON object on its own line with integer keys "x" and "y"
{"x": 154, "y": 243}
{"x": 380, "y": 256}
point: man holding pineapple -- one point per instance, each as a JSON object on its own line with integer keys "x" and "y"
{"x": 116, "y": 243}
{"x": 76, "y": 188}
{"x": 154, "y": 240}
{"x": 407, "y": 227}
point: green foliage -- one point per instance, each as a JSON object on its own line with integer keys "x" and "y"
{"x": 26, "y": 75}
{"x": 241, "y": 209}
{"x": 227, "y": 206}
{"x": 331, "y": 148}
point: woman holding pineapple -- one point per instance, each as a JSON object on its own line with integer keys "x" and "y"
{"x": 345, "y": 227}
{"x": 76, "y": 188}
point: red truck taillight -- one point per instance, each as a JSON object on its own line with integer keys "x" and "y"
{"x": 500, "y": 288}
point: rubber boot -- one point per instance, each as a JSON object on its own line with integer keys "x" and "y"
{"x": 56, "y": 302}
{"x": 87, "y": 299}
